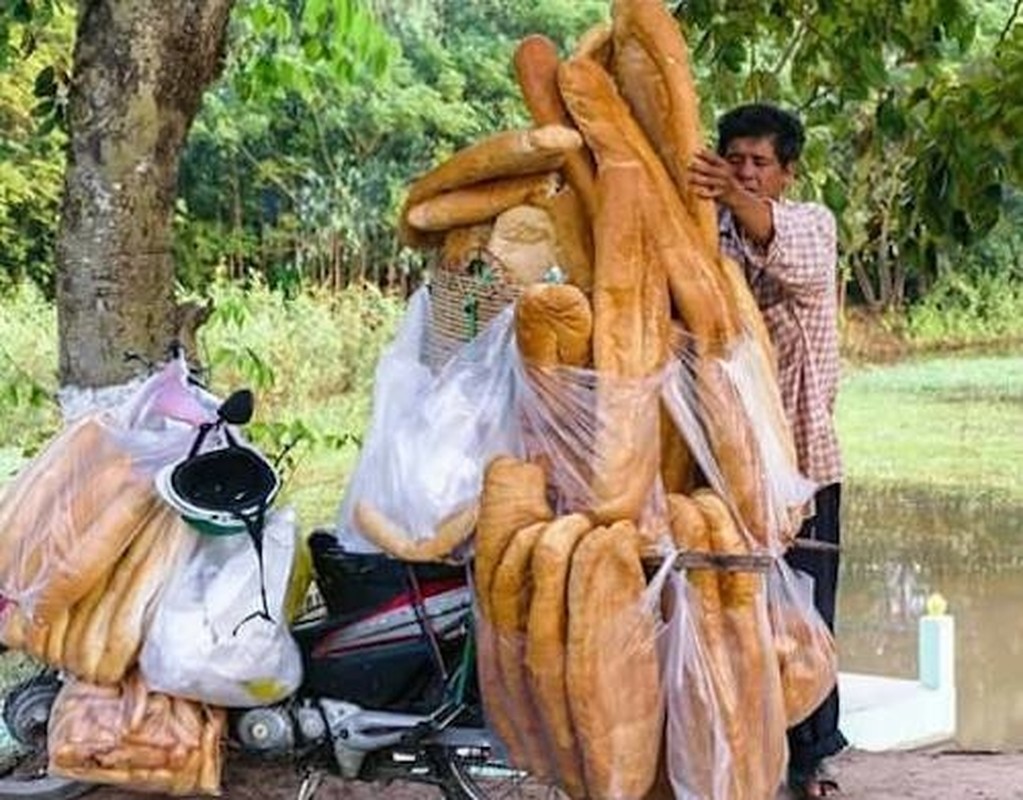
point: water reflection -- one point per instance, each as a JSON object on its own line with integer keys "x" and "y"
{"x": 900, "y": 545}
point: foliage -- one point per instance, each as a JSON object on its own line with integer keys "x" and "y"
{"x": 915, "y": 130}
{"x": 28, "y": 370}
{"x": 22, "y": 23}
{"x": 310, "y": 359}
{"x": 328, "y": 108}
{"x": 31, "y": 155}
{"x": 306, "y": 185}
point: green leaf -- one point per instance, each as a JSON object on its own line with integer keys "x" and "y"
{"x": 46, "y": 82}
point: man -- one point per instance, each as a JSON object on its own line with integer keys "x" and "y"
{"x": 788, "y": 252}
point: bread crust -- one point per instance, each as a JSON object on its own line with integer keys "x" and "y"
{"x": 514, "y": 497}
{"x": 546, "y": 643}
{"x": 612, "y": 672}
{"x": 651, "y": 68}
{"x": 480, "y": 202}
{"x": 553, "y": 325}
{"x": 502, "y": 155}
{"x": 511, "y": 596}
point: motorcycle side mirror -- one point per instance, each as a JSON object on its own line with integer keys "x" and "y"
{"x": 237, "y": 409}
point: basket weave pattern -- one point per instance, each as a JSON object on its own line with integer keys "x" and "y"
{"x": 463, "y": 302}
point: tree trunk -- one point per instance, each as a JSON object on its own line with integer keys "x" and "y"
{"x": 140, "y": 69}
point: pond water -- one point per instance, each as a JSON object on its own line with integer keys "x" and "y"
{"x": 900, "y": 545}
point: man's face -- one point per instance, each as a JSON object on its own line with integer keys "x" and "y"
{"x": 755, "y": 165}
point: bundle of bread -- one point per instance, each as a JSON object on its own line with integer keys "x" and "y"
{"x": 86, "y": 548}
{"x": 600, "y": 188}
{"x": 99, "y": 637}
{"x": 127, "y": 736}
{"x": 726, "y": 700}
{"x": 567, "y": 658}
{"x": 567, "y": 623}
{"x": 69, "y": 515}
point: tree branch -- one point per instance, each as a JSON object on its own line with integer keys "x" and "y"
{"x": 1009, "y": 23}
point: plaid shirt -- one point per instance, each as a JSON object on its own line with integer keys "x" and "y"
{"x": 794, "y": 282}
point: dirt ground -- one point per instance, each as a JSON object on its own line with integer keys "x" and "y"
{"x": 935, "y": 774}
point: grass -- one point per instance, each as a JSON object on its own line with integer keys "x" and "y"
{"x": 953, "y": 424}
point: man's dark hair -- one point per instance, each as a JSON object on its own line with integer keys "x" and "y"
{"x": 759, "y": 120}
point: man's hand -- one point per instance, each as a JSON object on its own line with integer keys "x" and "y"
{"x": 713, "y": 178}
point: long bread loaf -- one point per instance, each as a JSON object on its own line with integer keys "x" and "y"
{"x": 514, "y": 497}
{"x": 651, "y": 67}
{"x": 546, "y": 644}
{"x": 502, "y": 155}
{"x": 510, "y": 598}
{"x": 536, "y": 68}
{"x": 479, "y": 202}
{"x": 612, "y": 673}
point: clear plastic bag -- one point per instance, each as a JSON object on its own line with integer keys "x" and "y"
{"x": 726, "y": 722}
{"x": 568, "y": 657}
{"x": 209, "y": 641}
{"x": 75, "y": 509}
{"x": 432, "y": 434}
{"x": 806, "y": 651}
{"x": 131, "y": 737}
{"x": 729, "y": 413}
{"x": 597, "y": 437}
{"x": 98, "y": 638}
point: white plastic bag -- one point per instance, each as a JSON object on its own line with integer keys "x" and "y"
{"x": 208, "y": 641}
{"x": 432, "y": 434}
{"x": 76, "y": 508}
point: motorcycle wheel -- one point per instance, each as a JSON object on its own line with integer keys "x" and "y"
{"x": 468, "y": 774}
{"x": 27, "y": 692}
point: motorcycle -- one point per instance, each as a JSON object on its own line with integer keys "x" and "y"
{"x": 389, "y": 689}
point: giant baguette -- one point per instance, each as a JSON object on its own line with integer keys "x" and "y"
{"x": 735, "y": 447}
{"x": 631, "y": 318}
{"x": 75, "y": 654}
{"x": 30, "y": 498}
{"x": 760, "y": 749}
{"x": 502, "y": 155}
{"x": 97, "y": 630}
{"x": 612, "y": 674}
{"x": 710, "y": 667}
{"x": 511, "y": 595}
{"x": 536, "y": 68}
{"x": 546, "y": 641}
{"x": 168, "y": 537}
{"x": 615, "y": 138}
{"x": 651, "y": 67}
{"x": 72, "y": 511}
{"x": 480, "y": 202}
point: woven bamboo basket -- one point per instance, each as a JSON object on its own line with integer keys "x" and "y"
{"x": 463, "y": 302}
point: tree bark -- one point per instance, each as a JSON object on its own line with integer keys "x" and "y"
{"x": 140, "y": 70}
